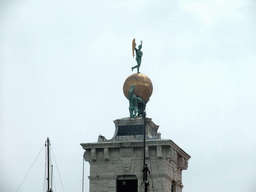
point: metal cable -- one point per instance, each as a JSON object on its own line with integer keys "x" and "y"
{"x": 151, "y": 170}
{"x": 54, "y": 184}
{"x": 30, "y": 168}
{"x": 57, "y": 169}
{"x": 152, "y": 182}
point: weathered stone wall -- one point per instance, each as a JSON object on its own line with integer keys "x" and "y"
{"x": 164, "y": 163}
{"x": 123, "y": 156}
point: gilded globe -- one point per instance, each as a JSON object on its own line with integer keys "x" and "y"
{"x": 143, "y": 86}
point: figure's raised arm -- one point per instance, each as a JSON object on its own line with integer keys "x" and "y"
{"x": 131, "y": 90}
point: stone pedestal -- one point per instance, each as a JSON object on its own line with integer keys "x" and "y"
{"x": 121, "y": 159}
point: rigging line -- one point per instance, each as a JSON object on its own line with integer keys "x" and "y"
{"x": 151, "y": 171}
{"x": 83, "y": 177}
{"x": 141, "y": 149}
{"x": 57, "y": 169}
{"x": 142, "y": 143}
{"x": 147, "y": 141}
{"x": 30, "y": 168}
{"x": 52, "y": 176}
{"x": 150, "y": 175}
{"x": 152, "y": 182}
{"x": 54, "y": 182}
{"x": 137, "y": 155}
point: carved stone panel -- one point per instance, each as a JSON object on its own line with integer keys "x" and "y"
{"x": 171, "y": 154}
{"x": 127, "y": 168}
{"x": 146, "y": 152}
{"x": 182, "y": 163}
{"x": 114, "y": 154}
{"x": 159, "y": 152}
{"x": 152, "y": 152}
{"x": 93, "y": 154}
{"x": 106, "y": 154}
{"x": 126, "y": 152}
{"x": 87, "y": 155}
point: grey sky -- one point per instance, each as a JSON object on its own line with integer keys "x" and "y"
{"x": 63, "y": 65}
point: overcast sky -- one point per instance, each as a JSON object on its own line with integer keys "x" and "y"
{"x": 63, "y": 65}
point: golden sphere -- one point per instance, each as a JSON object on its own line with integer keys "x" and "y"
{"x": 143, "y": 86}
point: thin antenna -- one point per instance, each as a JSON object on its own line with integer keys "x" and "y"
{"x": 48, "y": 165}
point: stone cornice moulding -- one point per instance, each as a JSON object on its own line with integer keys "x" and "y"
{"x": 150, "y": 143}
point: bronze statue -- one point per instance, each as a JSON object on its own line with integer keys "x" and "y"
{"x": 138, "y": 97}
{"x": 139, "y": 54}
{"x": 137, "y": 105}
{"x": 141, "y": 106}
{"x": 133, "y": 102}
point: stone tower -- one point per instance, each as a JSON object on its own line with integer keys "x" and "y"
{"x": 116, "y": 165}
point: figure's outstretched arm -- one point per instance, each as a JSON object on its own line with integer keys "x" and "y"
{"x": 130, "y": 91}
{"x": 132, "y": 88}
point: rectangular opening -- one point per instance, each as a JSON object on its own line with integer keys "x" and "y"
{"x": 127, "y": 184}
{"x": 130, "y": 130}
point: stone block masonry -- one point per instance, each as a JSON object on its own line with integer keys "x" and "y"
{"x": 122, "y": 158}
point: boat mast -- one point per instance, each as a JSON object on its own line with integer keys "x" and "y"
{"x": 145, "y": 166}
{"x": 48, "y": 165}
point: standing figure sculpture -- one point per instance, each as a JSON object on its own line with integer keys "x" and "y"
{"x": 138, "y": 54}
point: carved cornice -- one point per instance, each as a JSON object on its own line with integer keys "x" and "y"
{"x": 123, "y": 144}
